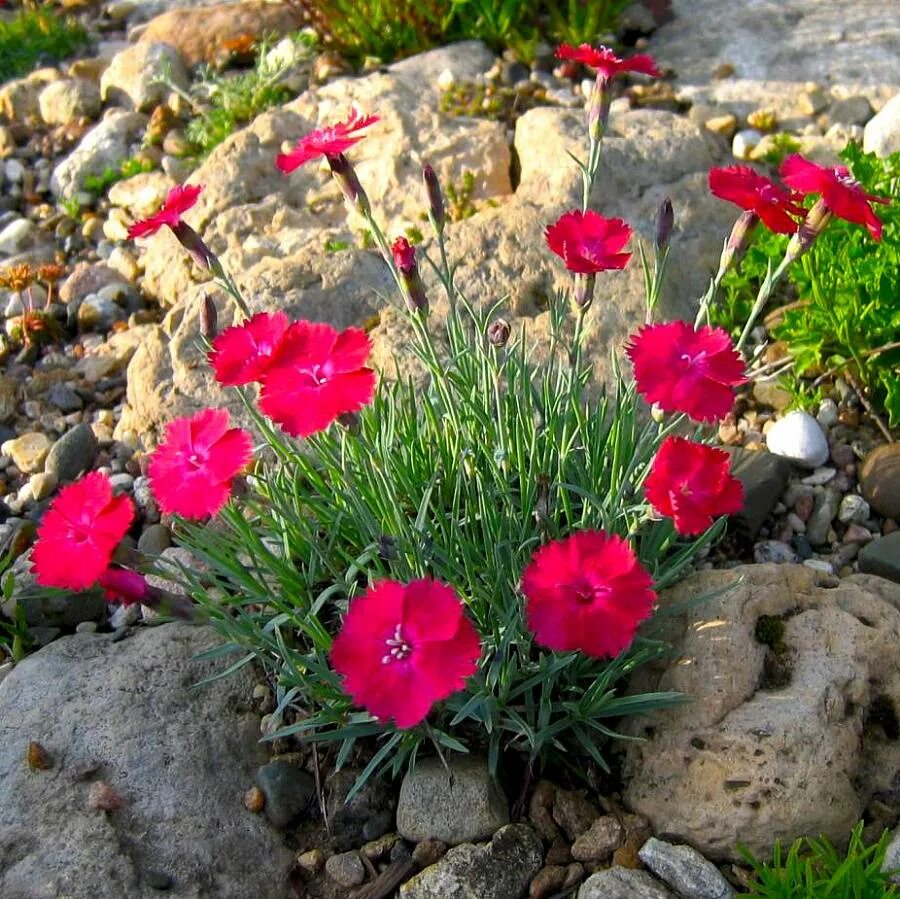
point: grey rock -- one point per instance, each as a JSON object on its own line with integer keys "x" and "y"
{"x": 849, "y": 111}
{"x": 776, "y": 551}
{"x": 179, "y": 756}
{"x": 501, "y": 869}
{"x": 346, "y": 869}
{"x": 827, "y": 414}
{"x": 764, "y": 477}
{"x": 825, "y": 508}
{"x": 289, "y": 790}
{"x": 132, "y": 77}
{"x": 18, "y": 236}
{"x": 464, "y": 808}
{"x": 882, "y": 557}
{"x": 9, "y": 398}
{"x": 96, "y": 313}
{"x": 125, "y": 615}
{"x": 892, "y": 856}
{"x": 882, "y": 134}
{"x": 800, "y": 438}
{"x": 600, "y": 841}
{"x": 64, "y": 101}
{"x": 819, "y": 477}
{"x": 72, "y": 454}
{"x": 623, "y": 883}
{"x": 685, "y": 870}
{"x": 154, "y": 540}
{"x": 350, "y": 815}
{"x": 853, "y": 508}
{"x": 64, "y": 398}
{"x": 879, "y": 479}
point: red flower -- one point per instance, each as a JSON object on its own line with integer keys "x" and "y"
{"x": 404, "y": 647}
{"x": 587, "y": 592}
{"x": 404, "y": 255}
{"x": 79, "y": 533}
{"x": 326, "y": 141}
{"x": 740, "y": 185}
{"x": 181, "y": 198}
{"x": 691, "y": 483}
{"x": 243, "y": 353}
{"x": 192, "y": 469}
{"x": 589, "y": 243}
{"x": 122, "y": 585}
{"x": 606, "y": 62}
{"x": 317, "y": 374}
{"x": 684, "y": 370}
{"x": 840, "y": 192}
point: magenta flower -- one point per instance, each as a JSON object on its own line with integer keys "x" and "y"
{"x": 587, "y": 592}
{"x": 191, "y": 471}
{"x": 317, "y": 374}
{"x": 840, "y": 192}
{"x": 243, "y": 353}
{"x": 404, "y": 254}
{"x": 589, "y": 243}
{"x": 607, "y": 64}
{"x": 79, "y": 533}
{"x": 330, "y": 142}
{"x": 741, "y": 185}
{"x": 691, "y": 483}
{"x": 122, "y": 585}
{"x": 404, "y": 647}
{"x": 179, "y": 200}
{"x": 684, "y": 370}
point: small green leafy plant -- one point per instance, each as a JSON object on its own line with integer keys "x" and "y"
{"x": 14, "y": 637}
{"x": 35, "y": 33}
{"x": 99, "y": 184}
{"x": 815, "y": 869}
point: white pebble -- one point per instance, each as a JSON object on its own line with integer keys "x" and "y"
{"x": 800, "y": 438}
{"x": 827, "y": 415}
{"x": 744, "y": 141}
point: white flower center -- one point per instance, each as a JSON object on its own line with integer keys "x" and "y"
{"x": 398, "y": 648}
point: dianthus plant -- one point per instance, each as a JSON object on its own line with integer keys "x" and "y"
{"x": 456, "y": 557}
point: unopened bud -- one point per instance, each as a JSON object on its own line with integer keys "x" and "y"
{"x": 665, "y": 221}
{"x": 209, "y": 319}
{"x": 598, "y": 107}
{"x": 813, "y": 225}
{"x": 584, "y": 289}
{"x": 498, "y": 332}
{"x": 435, "y": 199}
{"x": 193, "y": 243}
{"x": 345, "y": 175}
{"x": 404, "y": 254}
{"x": 738, "y": 241}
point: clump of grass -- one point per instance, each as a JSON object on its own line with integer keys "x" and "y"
{"x": 34, "y": 34}
{"x": 814, "y": 869}
{"x": 98, "y": 184}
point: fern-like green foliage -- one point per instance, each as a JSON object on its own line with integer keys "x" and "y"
{"x": 815, "y": 869}
{"x": 33, "y": 35}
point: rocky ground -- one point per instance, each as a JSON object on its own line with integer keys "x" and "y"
{"x": 115, "y": 358}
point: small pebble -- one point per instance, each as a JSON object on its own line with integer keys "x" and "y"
{"x": 254, "y": 800}
{"x": 38, "y": 757}
{"x": 346, "y": 869}
{"x": 312, "y": 861}
{"x": 102, "y": 797}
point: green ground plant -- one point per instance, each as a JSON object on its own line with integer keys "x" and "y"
{"x": 99, "y": 184}
{"x": 843, "y": 313}
{"x": 815, "y": 869}
{"x": 34, "y": 34}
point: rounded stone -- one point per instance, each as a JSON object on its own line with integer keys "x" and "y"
{"x": 800, "y": 438}
{"x": 346, "y": 869}
{"x": 879, "y": 479}
{"x": 289, "y": 791}
{"x": 28, "y": 451}
{"x": 73, "y": 454}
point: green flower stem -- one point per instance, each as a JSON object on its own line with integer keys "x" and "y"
{"x": 765, "y": 292}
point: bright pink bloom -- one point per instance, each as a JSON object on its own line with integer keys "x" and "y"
{"x": 589, "y": 243}
{"x": 587, "y": 592}
{"x": 330, "y": 141}
{"x": 404, "y": 254}
{"x": 841, "y": 193}
{"x": 242, "y": 354}
{"x": 606, "y": 62}
{"x": 317, "y": 374}
{"x": 192, "y": 469}
{"x": 79, "y": 533}
{"x": 404, "y": 647}
{"x": 122, "y": 585}
{"x": 684, "y": 370}
{"x": 752, "y": 192}
{"x": 181, "y": 198}
{"x": 691, "y": 483}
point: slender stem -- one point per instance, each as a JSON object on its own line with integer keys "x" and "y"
{"x": 765, "y": 292}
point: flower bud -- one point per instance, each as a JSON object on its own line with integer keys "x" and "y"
{"x": 345, "y": 175}
{"x": 738, "y": 241}
{"x": 598, "y": 107}
{"x": 498, "y": 332}
{"x": 665, "y": 221}
{"x": 813, "y": 225}
{"x": 584, "y": 289}
{"x": 413, "y": 290}
{"x": 435, "y": 198}
{"x": 209, "y": 319}
{"x": 193, "y": 243}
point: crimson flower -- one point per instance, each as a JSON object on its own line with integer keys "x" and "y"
{"x": 691, "y": 483}
{"x": 589, "y": 243}
{"x": 685, "y": 370}
{"x": 122, "y": 585}
{"x": 404, "y": 254}
{"x": 79, "y": 533}
{"x": 331, "y": 141}
{"x": 404, "y": 647}
{"x": 842, "y": 194}
{"x": 192, "y": 469}
{"x": 752, "y": 192}
{"x": 587, "y": 592}
{"x": 180, "y": 198}
{"x": 243, "y": 353}
{"x": 317, "y": 374}
{"x": 606, "y": 62}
